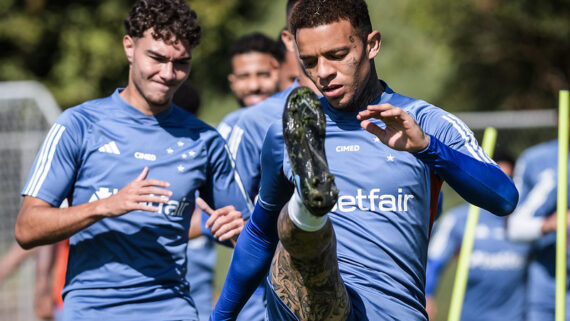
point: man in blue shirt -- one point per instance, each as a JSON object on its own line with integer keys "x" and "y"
{"x": 255, "y": 63}
{"x": 497, "y": 268}
{"x": 127, "y": 256}
{"x": 252, "y": 125}
{"x": 372, "y": 265}
{"x": 534, "y": 221}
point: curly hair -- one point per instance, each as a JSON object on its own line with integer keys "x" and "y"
{"x": 170, "y": 20}
{"x": 257, "y": 42}
{"x": 313, "y": 13}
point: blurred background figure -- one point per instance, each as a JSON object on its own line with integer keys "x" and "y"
{"x": 497, "y": 268}
{"x": 534, "y": 222}
{"x": 255, "y": 60}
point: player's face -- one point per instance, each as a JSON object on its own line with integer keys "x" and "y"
{"x": 157, "y": 69}
{"x": 288, "y": 71}
{"x": 254, "y": 77}
{"x": 337, "y": 61}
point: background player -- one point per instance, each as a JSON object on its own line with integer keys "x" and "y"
{"x": 127, "y": 241}
{"x": 255, "y": 62}
{"x": 496, "y": 287}
{"x": 534, "y": 221}
{"x": 382, "y": 218}
{"x": 253, "y": 123}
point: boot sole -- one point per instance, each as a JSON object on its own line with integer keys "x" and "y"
{"x": 304, "y": 134}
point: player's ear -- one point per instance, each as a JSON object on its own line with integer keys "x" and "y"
{"x": 129, "y": 46}
{"x": 231, "y": 80}
{"x": 373, "y": 42}
{"x": 287, "y": 39}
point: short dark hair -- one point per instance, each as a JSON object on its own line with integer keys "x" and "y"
{"x": 504, "y": 155}
{"x": 257, "y": 42}
{"x": 313, "y": 13}
{"x": 169, "y": 20}
{"x": 289, "y": 7}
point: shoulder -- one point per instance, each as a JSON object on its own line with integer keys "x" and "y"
{"x": 86, "y": 114}
{"x": 424, "y": 113}
{"x": 538, "y": 152}
{"x": 232, "y": 117}
{"x": 435, "y": 121}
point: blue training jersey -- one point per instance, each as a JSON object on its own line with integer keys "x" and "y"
{"x": 387, "y": 202}
{"x": 246, "y": 141}
{"x": 497, "y": 267}
{"x": 132, "y": 267}
{"x": 248, "y": 134}
{"x": 536, "y": 175}
{"x": 225, "y": 127}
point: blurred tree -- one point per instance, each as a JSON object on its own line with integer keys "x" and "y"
{"x": 75, "y": 48}
{"x": 507, "y": 54}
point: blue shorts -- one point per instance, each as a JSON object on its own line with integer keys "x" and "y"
{"x": 277, "y": 310}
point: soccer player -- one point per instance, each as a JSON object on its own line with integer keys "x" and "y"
{"x": 371, "y": 266}
{"x": 534, "y": 221}
{"x": 255, "y": 62}
{"x": 252, "y": 125}
{"x": 132, "y": 163}
{"x": 497, "y": 268}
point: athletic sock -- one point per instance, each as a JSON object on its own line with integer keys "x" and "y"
{"x": 301, "y": 216}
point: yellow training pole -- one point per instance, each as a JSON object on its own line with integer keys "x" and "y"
{"x": 489, "y": 139}
{"x": 562, "y": 206}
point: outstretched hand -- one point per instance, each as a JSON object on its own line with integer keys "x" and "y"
{"x": 138, "y": 195}
{"x": 401, "y": 132}
{"x": 226, "y": 223}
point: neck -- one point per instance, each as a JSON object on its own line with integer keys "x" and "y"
{"x": 371, "y": 90}
{"x": 133, "y": 97}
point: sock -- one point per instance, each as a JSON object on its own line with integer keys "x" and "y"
{"x": 301, "y": 216}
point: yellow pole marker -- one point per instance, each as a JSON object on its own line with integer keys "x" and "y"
{"x": 562, "y": 207}
{"x": 458, "y": 294}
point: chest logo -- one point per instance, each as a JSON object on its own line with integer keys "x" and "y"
{"x": 110, "y": 148}
{"x": 347, "y": 148}
{"x": 145, "y": 156}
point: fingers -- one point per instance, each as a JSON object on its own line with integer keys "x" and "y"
{"x": 142, "y": 175}
{"x": 155, "y": 191}
{"x": 372, "y": 128}
{"x": 204, "y": 206}
{"x": 214, "y": 215}
{"x": 229, "y": 231}
{"x": 225, "y": 220}
{"x": 375, "y": 111}
{"x": 154, "y": 182}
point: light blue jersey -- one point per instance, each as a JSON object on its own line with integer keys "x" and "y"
{"x": 497, "y": 268}
{"x": 226, "y": 126}
{"x": 132, "y": 267}
{"x": 248, "y": 134}
{"x": 384, "y": 212}
{"x": 536, "y": 177}
{"x": 245, "y": 142}
{"x": 383, "y": 215}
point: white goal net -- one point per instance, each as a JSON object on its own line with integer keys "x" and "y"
{"x": 27, "y": 111}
